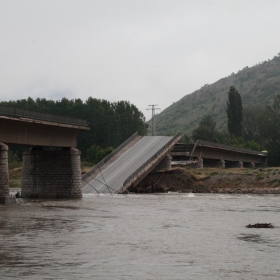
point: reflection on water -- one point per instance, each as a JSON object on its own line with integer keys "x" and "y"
{"x": 171, "y": 236}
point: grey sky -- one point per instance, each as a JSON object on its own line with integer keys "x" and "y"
{"x": 143, "y": 51}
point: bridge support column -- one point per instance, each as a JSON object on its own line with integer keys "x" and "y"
{"x": 164, "y": 165}
{"x": 51, "y": 174}
{"x": 200, "y": 163}
{"x": 215, "y": 163}
{"x": 4, "y": 176}
{"x": 249, "y": 165}
{"x": 238, "y": 164}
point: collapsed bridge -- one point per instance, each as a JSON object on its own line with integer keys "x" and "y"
{"x": 130, "y": 164}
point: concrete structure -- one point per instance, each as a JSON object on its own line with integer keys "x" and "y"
{"x": 164, "y": 165}
{"x": 132, "y": 166}
{"x": 21, "y": 127}
{"x": 218, "y": 155}
{"x": 112, "y": 157}
{"x": 4, "y": 176}
{"x": 46, "y": 173}
{"x": 51, "y": 174}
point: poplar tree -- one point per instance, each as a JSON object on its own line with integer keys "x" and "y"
{"x": 234, "y": 112}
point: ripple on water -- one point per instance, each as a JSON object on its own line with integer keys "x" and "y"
{"x": 141, "y": 237}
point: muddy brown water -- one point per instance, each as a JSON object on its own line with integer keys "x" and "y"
{"x": 170, "y": 236}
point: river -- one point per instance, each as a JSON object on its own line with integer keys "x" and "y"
{"x": 169, "y": 236}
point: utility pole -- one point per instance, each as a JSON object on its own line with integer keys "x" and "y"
{"x": 153, "y": 118}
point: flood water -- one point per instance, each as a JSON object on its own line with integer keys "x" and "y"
{"x": 170, "y": 236}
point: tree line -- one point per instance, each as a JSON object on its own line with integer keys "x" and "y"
{"x": 111, "y": 123}
{"x": 255, "y": 127}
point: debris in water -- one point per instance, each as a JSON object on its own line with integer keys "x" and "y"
{"x": 259, "y": 225}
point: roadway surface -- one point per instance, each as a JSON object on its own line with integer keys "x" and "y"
{"x": 113, "y": 177}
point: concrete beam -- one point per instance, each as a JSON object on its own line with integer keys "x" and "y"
{"x": 227, "y": 155}
{"x": 35, "y": 134}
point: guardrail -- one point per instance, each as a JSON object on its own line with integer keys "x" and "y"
{"x": 141, "y": 169}
{"x": 103, "y": 161}
{"x": 17, "y": 112}
{"x": 226, "y": 147}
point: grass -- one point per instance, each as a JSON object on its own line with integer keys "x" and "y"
{"x": 274, "y": 183}
{"x": 86, "y": 166}
{"x": 15, "y": 178}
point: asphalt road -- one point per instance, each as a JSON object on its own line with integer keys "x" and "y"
{"x": 116, "y": 173}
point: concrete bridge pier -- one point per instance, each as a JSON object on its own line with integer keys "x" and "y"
{"x": 249, "y": 164}
{"x": 234, "y": 164}
{"x": 200, "y": 163}
{"x": 214, "y": 163}
{"x": 4, "y": 176}
{"x": 51, "y": 173}
{"x": 164, "y": 165}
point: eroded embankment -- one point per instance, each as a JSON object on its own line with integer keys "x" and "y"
{"x": 212, "y": 180}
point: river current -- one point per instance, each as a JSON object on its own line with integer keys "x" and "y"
{"x": 169, "y": 236}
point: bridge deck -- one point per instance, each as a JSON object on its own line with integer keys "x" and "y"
{"x": 22, "y": 127}
{"x": 115, "y": 175}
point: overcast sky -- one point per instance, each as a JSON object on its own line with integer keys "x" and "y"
{"x": 142, "y": 51}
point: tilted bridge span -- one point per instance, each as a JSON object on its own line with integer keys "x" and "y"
{"x": 129, "y": 165}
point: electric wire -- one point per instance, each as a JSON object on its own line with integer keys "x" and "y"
{"x": 91, "y": 185}
{"x": 104, "y": 179}
{"x": 103, "y": 185}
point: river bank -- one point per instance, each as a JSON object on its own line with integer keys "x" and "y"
{"x": 212, "y": 180}
{"x": 206, "y": 180}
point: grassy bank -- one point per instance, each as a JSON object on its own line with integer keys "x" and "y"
{"x": 15, "y": 177}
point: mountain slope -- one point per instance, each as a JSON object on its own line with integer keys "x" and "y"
{"x": 257, "y": 84}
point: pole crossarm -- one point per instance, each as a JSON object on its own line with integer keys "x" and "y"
{"x": 153, "y": 117}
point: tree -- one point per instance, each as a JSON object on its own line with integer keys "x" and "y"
{"x": 234, "y": 112}
{"x": 251, "y": 121}
{"x": 270, "y": 131}
{"x": 110, "y": 123}
{"x": 95, "y": 153}
{"x": 206, "y": 129}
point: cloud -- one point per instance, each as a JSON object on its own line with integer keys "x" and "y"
{"x": 146, "y": 52}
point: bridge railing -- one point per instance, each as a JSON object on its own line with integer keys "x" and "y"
{"x": 226, "y": 147}
{"x": 17, "y": 112}
{"x": 133, "y": 177}
{"x": 103, "y": 161}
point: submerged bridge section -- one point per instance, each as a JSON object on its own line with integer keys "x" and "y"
{"x": 51, "y": 166}
{"x": 209, "y": 154}
{"x": 132, "y": 166}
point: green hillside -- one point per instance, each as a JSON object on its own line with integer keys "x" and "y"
{"x": 257, "y": 84}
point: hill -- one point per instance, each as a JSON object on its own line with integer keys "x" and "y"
{"x": 257, "y": 84}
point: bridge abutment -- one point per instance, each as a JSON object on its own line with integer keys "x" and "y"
{"x": 4, "y": 176}
{"x": 51, "y": 174}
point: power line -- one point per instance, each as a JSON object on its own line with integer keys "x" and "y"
{"x": 153, "y": 118}
{"x": 115, "y": 117}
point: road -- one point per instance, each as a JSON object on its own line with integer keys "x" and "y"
{"x": 113, "y": 177}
